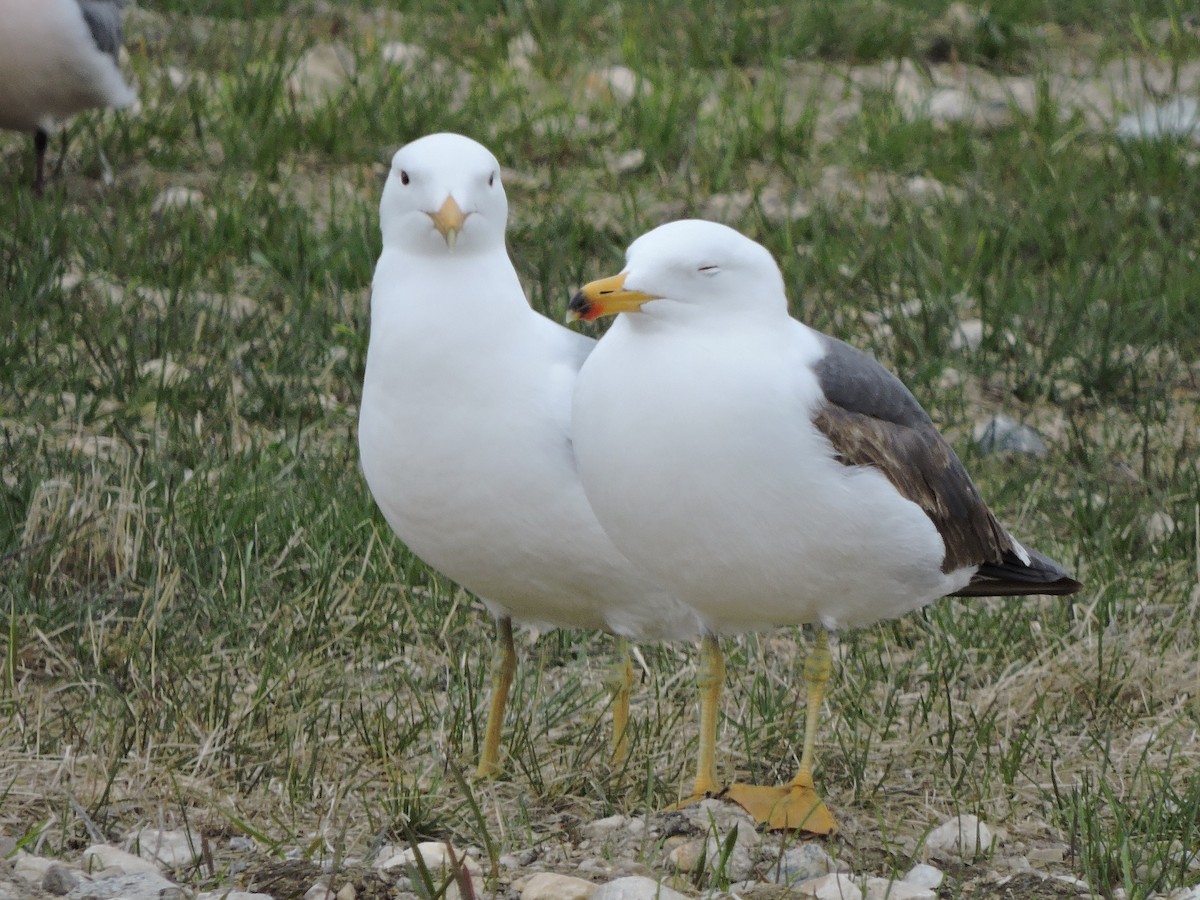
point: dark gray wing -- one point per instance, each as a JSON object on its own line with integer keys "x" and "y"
{"x": 872, "y": 419}
{"x": 103, "y": 19}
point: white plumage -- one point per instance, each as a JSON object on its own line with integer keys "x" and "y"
{"x": 465, "y": 421}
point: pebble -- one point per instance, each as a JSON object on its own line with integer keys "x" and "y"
{"x": 176, "y": 198}
{"x": 887, "y": 889}
{"x": 321, "y": 73}
{"x": 320, "y": 891}
{"x": 636, "y": 887}
{"x": 106, "y": 856}
{"x": 1178, "y": 117}
{"x": 600, "y": 828}
{"x": 174, "y": 849}
{"x": 1000, "y": 434}
{"x": 1187, "y": 893}
{"x": 618, "y": 84}
{"x": 551, "y": 886}
{"x": 1159, "y": 527}
{"x": 835, "y": 886}
{"x": 60, "y": 879}
{"x": 435, "y": 855}
{"x": 964, "y": 836}
{"x": 925, "y": 875}
{"x": 403, "y": 56}
{"x": 32, "y": 868}
{"x": 968, "y": 335}
{"x": 803, "y": 863}
{"x": 138, "y": 886}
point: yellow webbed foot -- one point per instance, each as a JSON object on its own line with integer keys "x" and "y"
{"x": 788, "y": 807}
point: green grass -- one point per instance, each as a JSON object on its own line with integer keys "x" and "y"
{"x": 199, "y": 600}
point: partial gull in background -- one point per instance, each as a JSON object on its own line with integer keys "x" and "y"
{"x": 464, "y": 428}
{"x": 58, "y": 58}
{"x": 768, "y": 474}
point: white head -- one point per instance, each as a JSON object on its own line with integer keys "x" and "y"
{"x": 443, "y": 196}
{"x": 696, "y": 265}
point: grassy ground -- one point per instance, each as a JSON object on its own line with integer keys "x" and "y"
{"x": 205, "y": 619}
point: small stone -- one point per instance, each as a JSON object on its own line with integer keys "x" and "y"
{"x": 925, "y": 875}
{"x": 436, "y": 855}
{"x": 319, "y": 891}
{"x": 401, "y": 55}
{"x": 1046, "y": 855}
{"x": 1179, "y": 117}
{"x": 172, "y": 848}
{"x": 968, "y": 335}
{"x": 964, "y": 836}
{"x": 803, "y": 863}
{"x": 687, "y": 856}
{"x": 886, "y": 889}
{"x": 636, "y": 887}
{"x": 1187, "y": 893}
{"x": 551, "y": 886}
{"x": 135, "y": 886}
{"x": 60, "y": 880}
{"x": 835, "y": 886}
{"x": 32, "y": 868}
{"x": 106, "y": 856}
{"x": 321, "y": 73}
{"x": 618, "y": 84}
{"x": 602, "y": 827}
{"x": 1000, "y": 434}
{"x": 623, "y": 163}
{"x": 348, "y": 892}
{"x": 1159, "y": 527}
{"x": 176, "y": 198}
{"x": 242, "y": 844}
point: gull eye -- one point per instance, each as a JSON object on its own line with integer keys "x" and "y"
{"x": 404, "y": 179}
{"x": 492, "y": 179}
{"x": 709, "y": 270}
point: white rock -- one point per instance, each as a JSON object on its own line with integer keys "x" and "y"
{"x": 1178, "y": 117}
{"x": 320, "y": 892}
{"x": 623, "y": 163}
{"x": 968, "y": 335}
{"x": 105, "y": 856}
{"x": 835, "y": 886}
{"x": 1159, "y": 527}
{"x": 1000, "y": 434}
{"x": 434, "y": 854}
{"x": 551, "y": 886}
{"x": 886, "y": 889}
{"x": 963, "y": 835}
{"x": 803, "y": 863}
{"x": 348, "y": 892}
{"x": 32, "y": 868}
{"x": 172, "y": 848}
{"x": 136, "y": 886}
{"x": 1187, "y": 893}
{"x": 637, "y": 887}
{"x": 603, "y": 827}
{"x": 614, "y": 83}
{"x": 60, "y": 879}
{"x": 401, "y": 55}
{"x": 321, "y": 73}
{"x": 925, "y": 875}
{"x": 175, "y": 198}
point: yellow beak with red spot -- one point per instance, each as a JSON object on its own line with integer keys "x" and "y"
{"x": 605, "y": 297}
{"x": 449, "y": 221}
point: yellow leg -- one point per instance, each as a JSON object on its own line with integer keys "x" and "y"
{"x": 504, "y": 666}
{"x": 796, "y": 805}
{"x": 709, "y": 680}
{"x": 622, "y": 688}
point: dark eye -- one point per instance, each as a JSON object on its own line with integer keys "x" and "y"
{"x": 491, "y": 179}
{"x": 710, "y": 270}
{"x": 404, "y": 179}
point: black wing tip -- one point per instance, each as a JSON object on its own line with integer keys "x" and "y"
{"x": 1013, "y": 578}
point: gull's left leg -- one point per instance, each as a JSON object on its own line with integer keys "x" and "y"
{"x": 796, "y": 805}
{"x": 504, "y": 666}
{"x": 622, "y": 688}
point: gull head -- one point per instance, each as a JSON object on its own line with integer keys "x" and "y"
{"x": 697, "y": 266}
{"x": 443, "y": 196}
